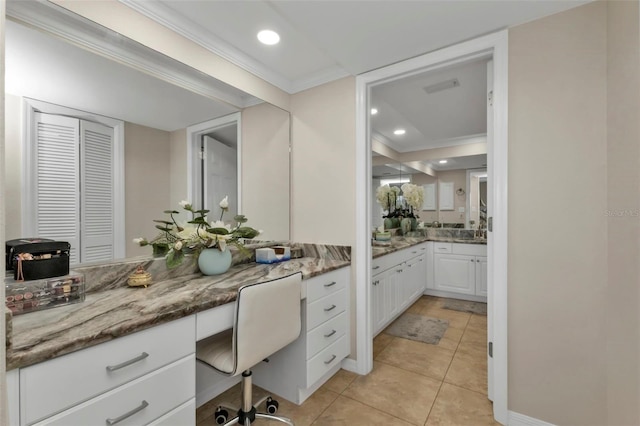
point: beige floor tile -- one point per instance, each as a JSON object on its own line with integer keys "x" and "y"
{"x": 474, "y": 336}
{"x": 302, "y": 415}
{"x": 339, "y": 382}
{"x": 451, "y": 338}
{"x": 469, "y": 368}
{"x": 456, "y": 319}
{"x": 478, "y": 322}
{"x": 460, "y": 407}
{"x": 402, "y": 394}
{"x": 417, "y": 357}
{"x": 347, "y": 412}
{"x": 380, "y": 342}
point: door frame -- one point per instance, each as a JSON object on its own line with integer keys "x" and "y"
{"x": 495, "y": 45}
{"x": 194, "y": 134}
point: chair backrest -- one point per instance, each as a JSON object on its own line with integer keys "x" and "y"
{"x": 267, "y": 319}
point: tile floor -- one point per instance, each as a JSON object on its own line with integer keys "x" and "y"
{"x": 412, "y": 383}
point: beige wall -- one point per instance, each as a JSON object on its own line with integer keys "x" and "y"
{"x": 13, "y": 167}
{"x": 147, "y": 183}
{"x": 323, "y": 158}
{"x": 322, "y": 170}
{"x": 557, "y": 230}
{"x": 623, "y": 204}
{"x": 459, "y": 179}
{"x": 179, "y": 189}
{"x": 265, "y": 170}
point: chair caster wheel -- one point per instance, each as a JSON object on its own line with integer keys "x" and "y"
{"x": 221, "y": 415}
{"x": 272, "y": 406}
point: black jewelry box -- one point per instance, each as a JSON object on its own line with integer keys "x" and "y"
{"x": 47, "y": 258}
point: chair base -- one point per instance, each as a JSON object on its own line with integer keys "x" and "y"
{"x": 247, "y": 414}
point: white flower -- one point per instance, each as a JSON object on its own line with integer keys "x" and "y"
{"x": 140, "y": 241}
{"x": 260, "y": 231}
{"x": 220, "y": 224}
{"x": 178, "y": 246}
{"x": 224, "y": 204}
{"x": 185, "y": 204}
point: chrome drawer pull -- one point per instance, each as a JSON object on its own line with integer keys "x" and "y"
{"x": 330, "y": 334}
{"x": 140, "y": 357}
{"x": 332, "y": 283}
{"x": 331, "y": 360}
{"x": 330, "y": 308}
{"x": 142, "y": 406}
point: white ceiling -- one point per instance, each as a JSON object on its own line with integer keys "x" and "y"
{"x": 324, "y": 40}
{"x": 48, "y": 69}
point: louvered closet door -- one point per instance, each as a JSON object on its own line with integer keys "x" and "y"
{"x": 57, "y": 184}
{"x": 97, "y": 189}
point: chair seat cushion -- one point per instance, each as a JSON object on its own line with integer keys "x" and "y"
{"x": 217, "y": 351}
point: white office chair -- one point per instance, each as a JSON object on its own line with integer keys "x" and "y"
{"x": 267, "y": 318}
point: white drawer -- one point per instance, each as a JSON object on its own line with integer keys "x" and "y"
{"x": 325, "y": 334}
{"x": 55, "y": 385}
{"x": 182, "y": 416}
{"x": 325, "y": 284}
{"x": 470, "y": 249}
{"x": 442, "y": 247}
{"x": 325, "y": 308}
{"x": 137, "y": 402}
{"x": 326, "y": 360}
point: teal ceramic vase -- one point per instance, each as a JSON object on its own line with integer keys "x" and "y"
{"x": 160, "y": 250}
{"x": 395, "y": 222}
{"x": 405, "y": 225}
{"x": 388, "y": 223}
{"x": 214, "y": 262}
{"x": 414, "y": 224}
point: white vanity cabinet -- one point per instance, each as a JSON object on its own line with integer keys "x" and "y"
{"x": 123, "y": 381}
{"x": 397, "y": 280}
{"x": 460, "y": 270}
{"x": 299, "y": 369}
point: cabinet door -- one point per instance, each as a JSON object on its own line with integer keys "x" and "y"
{"x": 481, "y": 276}
{"x": 421, "y": 275}
{"x": 455, "y": 273}
{"x": 392, "y": 289}
{"x": 412, "y": 284}
{"x": 378, "y": 312}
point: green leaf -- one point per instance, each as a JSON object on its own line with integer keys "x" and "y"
{"x": 219, "y": 231}
{"x": 202, "y": 212}
{"x": 166, "y": 222}
{"x": 198, "y": 221}
{"x": 240, "y": 218}
{"x": 174, "y": 258}
{"x": 163, "y": 228}
{"x": 171, "y": 212}
{"x": 245, "y": 232}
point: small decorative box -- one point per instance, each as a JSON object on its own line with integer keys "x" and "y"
{"x": 29, "y": 296}
{"x": 273, "y": 254}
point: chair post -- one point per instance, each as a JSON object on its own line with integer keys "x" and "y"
{"x": 247, "y": 398}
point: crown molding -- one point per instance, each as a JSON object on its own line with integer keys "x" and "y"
{"x": 63, "y": 24}
{"x": 167, "y": 17}
{"x": 316, "y": 79}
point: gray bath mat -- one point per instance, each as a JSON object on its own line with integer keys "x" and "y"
{"x": 465, "y": 306}
{"x": 419, "y": 328}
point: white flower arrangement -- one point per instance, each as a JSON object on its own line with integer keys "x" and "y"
{"x": 387, "y": 196}
{"x": 414, "y": 195}
{"x": 197, "y": 234}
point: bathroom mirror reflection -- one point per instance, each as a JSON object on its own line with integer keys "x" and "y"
{"x": 151, "y": 111}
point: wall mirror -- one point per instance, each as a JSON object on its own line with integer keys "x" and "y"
{"x": 432, "y": 125}
{"x": 163, "y": 120}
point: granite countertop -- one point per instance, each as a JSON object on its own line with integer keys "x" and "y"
{"x": 398, "y": 243}
{"x": 108, "y": 314}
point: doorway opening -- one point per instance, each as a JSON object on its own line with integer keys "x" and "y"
{"x": 493, "y": 46}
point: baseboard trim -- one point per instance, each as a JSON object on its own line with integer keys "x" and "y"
{"x": 350, "y": 365}
{"x": 517, "y": 419}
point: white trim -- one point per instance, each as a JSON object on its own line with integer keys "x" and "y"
{"x": 194, "y": 133}
{"x": 468, "y": 215}
{"x": 493, "y": 44}
{"x": 350, "y": 365}
{"x": 324, "y": 76}
{"x": 517, "y": 419}
{"x": 30, "y": 107}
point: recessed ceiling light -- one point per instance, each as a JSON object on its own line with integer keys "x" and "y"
{"x": 442, "y": 161}
{"x": 374, "y": 111}
{"x": 268, "y": 37}
{"x": 399, "y": 132}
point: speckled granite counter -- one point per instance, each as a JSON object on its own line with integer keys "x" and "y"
{"x": 108, "y": 314}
